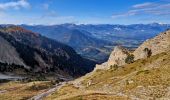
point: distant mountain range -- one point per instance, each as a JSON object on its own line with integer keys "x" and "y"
{"x": 97, "y": 41}
{"x": 82, "y": 41}
{"x": 28, "y": 53}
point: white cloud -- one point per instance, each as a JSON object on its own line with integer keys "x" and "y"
{"x": 143, "y": 5}
{"x": 14, "y": 5}
{"x": 148, "y": 8}
{"x": 34, "y": 20}
{"x": 129, "y": 13}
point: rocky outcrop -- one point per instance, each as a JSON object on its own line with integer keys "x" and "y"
{"x": 102, "y": 66}
{"x": 156, "y": 45}
{"x": 117, "y": 58}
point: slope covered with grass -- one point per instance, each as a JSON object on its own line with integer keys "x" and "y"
{"x": 144, "y": 79}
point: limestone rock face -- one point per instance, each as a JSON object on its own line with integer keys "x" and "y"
{"x": 156, "y": 45}
{"x": 117, "y": 57}
{"x": 102, "y": 66}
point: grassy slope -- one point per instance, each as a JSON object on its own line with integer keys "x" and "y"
{"x": 145, "y": 78}
{"x": 21, "y": 90}
{"x": 142, "y": 79}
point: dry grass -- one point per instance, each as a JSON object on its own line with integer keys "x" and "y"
{"x": 22, "y": 91}
{"x": 98, "y": 96}
{"x": 136, "y": 80}
{"x": 145, "y": 78}
{"x": 70, "y": 89}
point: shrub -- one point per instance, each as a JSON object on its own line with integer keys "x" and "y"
{"x": 114, "y": 67}
{"x": 148, "y": 51}
{"x": 143, "y": 71}
{"x": 129, "y": 59}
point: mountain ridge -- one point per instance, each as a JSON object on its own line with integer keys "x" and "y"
{"x": 81, "y": 40}
{"x": 43, "y": 55}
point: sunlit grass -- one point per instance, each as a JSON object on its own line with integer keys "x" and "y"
{"x": 152, "y": 74}
{"x": 23, "y": 91}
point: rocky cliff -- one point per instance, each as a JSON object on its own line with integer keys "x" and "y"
{"x": 117, "y": 58}
{"x": 156, "y": 45}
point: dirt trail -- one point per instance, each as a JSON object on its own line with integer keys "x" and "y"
{"x": 50, "y": 91}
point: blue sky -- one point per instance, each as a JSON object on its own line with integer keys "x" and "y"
{"x": 50, "y": 12}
